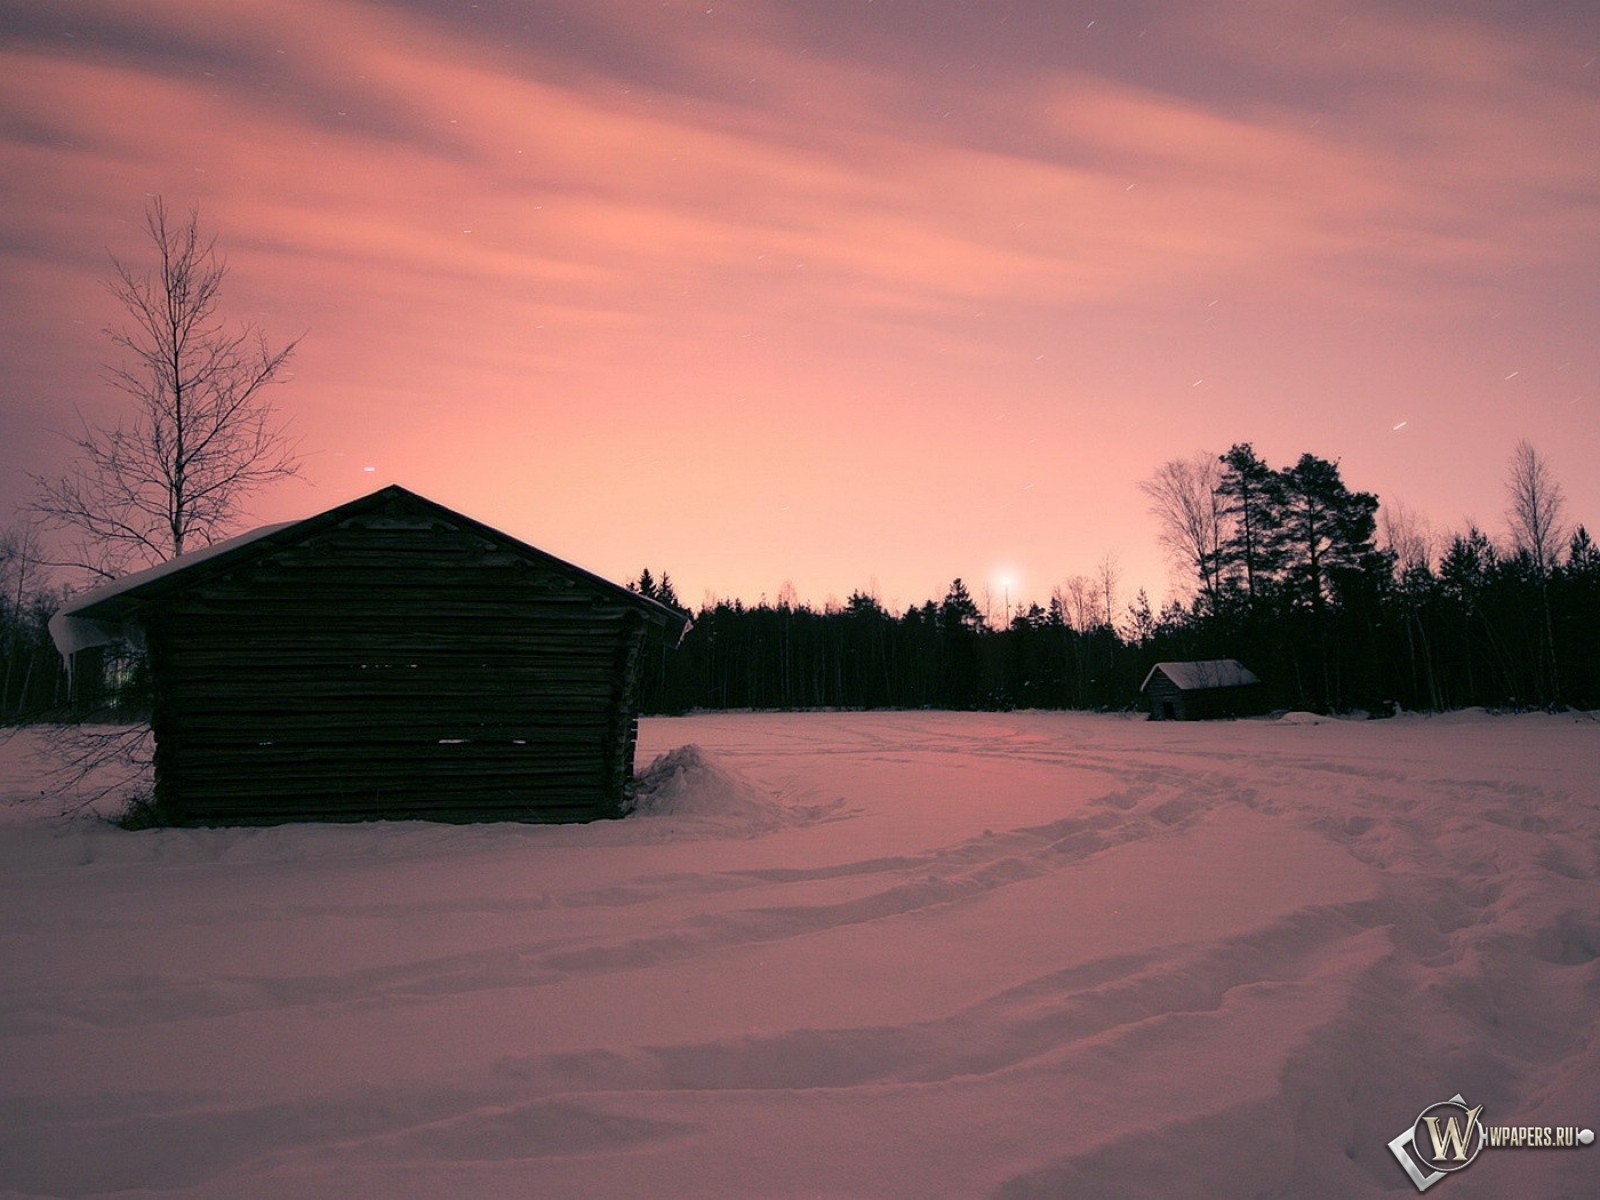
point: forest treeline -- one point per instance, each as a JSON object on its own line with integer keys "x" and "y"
{"x": 33, "y": 680}
{"x": 1336, "y": 604}
{"x": 1290, "y": 573}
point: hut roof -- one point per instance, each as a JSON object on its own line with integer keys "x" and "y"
{"x": 1199, "y": 676}
{"x": 111, "y": 612}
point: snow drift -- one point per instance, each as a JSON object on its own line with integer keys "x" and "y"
{"x": 686, "y": 782}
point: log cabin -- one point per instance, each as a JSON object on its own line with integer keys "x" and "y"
{"x": 1195, "y": 691}
{"x": 385, "y": 659}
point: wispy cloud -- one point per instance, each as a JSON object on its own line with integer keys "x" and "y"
{"x": 665, "y": 230}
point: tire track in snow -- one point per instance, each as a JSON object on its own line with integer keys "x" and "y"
{"x": 908, "y": 884}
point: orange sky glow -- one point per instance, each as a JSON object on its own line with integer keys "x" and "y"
{"x": 847, "y": 295}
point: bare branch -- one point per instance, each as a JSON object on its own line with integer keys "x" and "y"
{"x": 200, "y": 435}
{"x": 1406, "y": 535}
{"x": 1536, "y": 512}
{"x": 89, "y": 763}
{"x": 1107, "y": 574}
{"x": 1188, "y": 510}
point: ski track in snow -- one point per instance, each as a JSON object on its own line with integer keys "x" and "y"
{"x": 885, "y": 954}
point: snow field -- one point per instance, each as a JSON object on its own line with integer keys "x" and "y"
{"x": 843, "y": 955}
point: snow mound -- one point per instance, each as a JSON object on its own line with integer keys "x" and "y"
{"x": 1462, "y": 716}
{"x": 1301, "y": 718}
{"x": 688, "y": 782}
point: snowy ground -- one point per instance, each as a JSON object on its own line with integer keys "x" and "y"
{"x": 845, "y": 955}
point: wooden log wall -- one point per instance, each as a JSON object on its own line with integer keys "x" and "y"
{"x": 394, "y": 669}
{"x": 1162, "y": 691}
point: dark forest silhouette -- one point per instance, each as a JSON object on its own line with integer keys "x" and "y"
{"x": 1468, "y": 632}
{"x": 1287, "y": 575}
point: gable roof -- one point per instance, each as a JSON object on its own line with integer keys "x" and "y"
{"x": 1198, "y": 676}
{"x": 106, "y": 613}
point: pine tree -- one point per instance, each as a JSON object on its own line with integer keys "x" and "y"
{"x": 1325, "y": 551}
{"x": 959, "y": 612}
{"x": 1253, "y": 504}
{"x": 959, "y": 624}
{"x": 1326, "y": 532}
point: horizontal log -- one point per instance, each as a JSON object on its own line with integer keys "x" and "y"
{"x": 403, "y": 728}
{"x": 383, "y": 646}
{"x": 368, "y": 708}
{"x": 196, "y": 799}
{"x": 365, "y": 765}
{"x": 578, "y": 654}
{"x": 554, "y": 791}
{"x": 377, "y": 571}
{"x": 268, "y": 810}
{"x": 580, "y": 797}
{"x": 454, "y": 695}
{"x": 593, "y": 674}
{"x": 310, "y": 809}
{"x": 443, "y": 816}
{"x": 316, "y": 774}
{"x": 376, "y": 575}
{"x": 510, "y": 592}
{"x": 419, "y": 626}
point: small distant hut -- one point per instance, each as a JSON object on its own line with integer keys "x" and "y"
{"x": 1197, "y": 691}
{"x": 386, "y": 659}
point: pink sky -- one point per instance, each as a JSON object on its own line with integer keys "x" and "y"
{"x": 850, "y": 295}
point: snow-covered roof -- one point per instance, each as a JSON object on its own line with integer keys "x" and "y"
{"x": 110, "y": 612}
{"x": 1197, "y": 676}
{"x": 72, "y": 633}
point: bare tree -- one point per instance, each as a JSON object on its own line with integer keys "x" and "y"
{"x": 1406, "y": 535}
{"x": 1537, "y": 505}
{"x": 1538, "y": 529}
{"x": 1188, "y": 509}
{"x": 1080, "y": 603}
{"x": 201, "y": 436}
{"x": 1106, "y": 577}
{"x": 1411, "y": 543}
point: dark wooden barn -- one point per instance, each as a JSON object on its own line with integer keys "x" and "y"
{"x": 386, "y": 659}
{"x": 1197, "y": 691}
